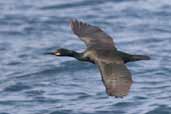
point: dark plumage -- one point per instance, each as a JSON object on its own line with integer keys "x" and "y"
{"x": 101, "y": 51}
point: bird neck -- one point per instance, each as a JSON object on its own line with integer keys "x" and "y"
{"x": 75, "y": 54}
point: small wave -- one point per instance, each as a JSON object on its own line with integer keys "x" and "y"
{"x": 16, "y": 88}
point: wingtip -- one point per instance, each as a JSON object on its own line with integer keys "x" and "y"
{"x": 121, "y": 97}
{"x": 71, "y": 22}
{"x": 74, "y": 23}
{"x": 117, "y": 96}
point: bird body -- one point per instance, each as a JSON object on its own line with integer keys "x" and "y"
{"x": 101, "y": 51}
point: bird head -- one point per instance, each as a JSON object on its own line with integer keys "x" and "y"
{"x": 61, "y": 52}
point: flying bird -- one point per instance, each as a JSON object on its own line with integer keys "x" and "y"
{"x": 101, "y": 50}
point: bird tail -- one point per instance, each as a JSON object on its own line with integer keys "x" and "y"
{"x": 140, "y": 57}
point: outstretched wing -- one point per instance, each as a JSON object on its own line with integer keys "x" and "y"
{"x": 116, "y": 78}
{"x": 92, "y": 36}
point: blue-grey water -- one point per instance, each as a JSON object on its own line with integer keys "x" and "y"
{"x": 34, "y": 83}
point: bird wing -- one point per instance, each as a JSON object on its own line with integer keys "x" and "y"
{"x": 101, "y": 49}
{"x": 116, "y": 78}
{"x": 92, "y": 36}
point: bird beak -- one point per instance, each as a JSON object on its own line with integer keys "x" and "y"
{"x": 51, "y": 53}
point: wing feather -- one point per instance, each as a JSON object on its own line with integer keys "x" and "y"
{"x": 92, "y": 36}
{"x": 116, "y": 78}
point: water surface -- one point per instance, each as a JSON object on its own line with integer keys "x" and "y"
{"x": 32, "y": 83}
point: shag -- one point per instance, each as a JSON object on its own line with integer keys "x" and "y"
{"x": 101, "y": 51}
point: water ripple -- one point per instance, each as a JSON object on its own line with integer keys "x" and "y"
{"x": 34, "y": 83}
